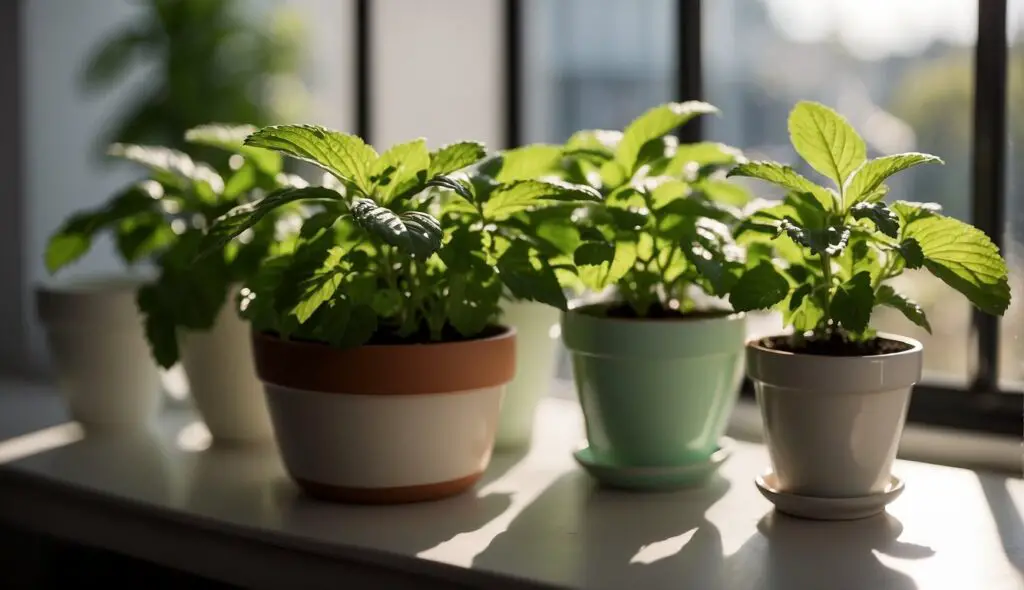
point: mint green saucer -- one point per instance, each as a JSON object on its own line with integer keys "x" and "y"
{"x": 652, "y": 479}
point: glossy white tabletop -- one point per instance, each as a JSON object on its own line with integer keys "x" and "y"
{"x": 536, "y": 521}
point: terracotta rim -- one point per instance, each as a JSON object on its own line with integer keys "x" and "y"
{"x": 386, "y": 370}
{"x": 399, "y": 495}
{"x": 915, "y": 348}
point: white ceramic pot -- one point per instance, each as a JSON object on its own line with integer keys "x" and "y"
{"x": 833, "y": 424}
{"x": 537, "y": 337}
{"x": 385, "y": 424}
{"x": 98, "y": 346}
{"x": 222, "y": 380}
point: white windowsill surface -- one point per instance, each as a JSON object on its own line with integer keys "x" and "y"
{"x": 536, "y": 521}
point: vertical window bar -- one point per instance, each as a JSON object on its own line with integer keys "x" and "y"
{"x": 512, "y": 107}
{"x": 363, "y": 79}
{"x": 989, "y": 152}
{"x": 689, "y": 58}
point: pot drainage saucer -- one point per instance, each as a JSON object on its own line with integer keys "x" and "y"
{"x": 653, "y": 478}
{"x": 827, "y": 508}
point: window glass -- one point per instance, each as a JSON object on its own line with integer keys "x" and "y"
{"x": 1011, "y": 361}
{"x": 899, "y": 70}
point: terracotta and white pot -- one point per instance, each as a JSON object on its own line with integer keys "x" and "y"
{"x": 98, "y": 345}
{"x": 223, "y": 382}
{"x": 833, "y": 424}
{"x": 385, "y": 424}
{"x": 536, "y": 326}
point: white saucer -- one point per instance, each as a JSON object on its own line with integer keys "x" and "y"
{"x": 653, "y": 478}
{"x": 827, "y": 508}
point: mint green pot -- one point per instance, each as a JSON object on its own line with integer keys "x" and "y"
{"x": 655, "y": 392}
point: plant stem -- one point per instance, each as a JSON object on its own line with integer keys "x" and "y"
{"x": 826, "y": 270}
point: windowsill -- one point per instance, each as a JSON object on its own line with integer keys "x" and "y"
{"x": 535, "y": 521}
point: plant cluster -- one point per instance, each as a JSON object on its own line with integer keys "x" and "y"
{"x": 836, "y": 246}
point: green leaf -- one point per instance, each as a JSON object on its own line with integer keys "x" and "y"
{"x": 761, "y": 287}
{"x": 472, "y": 298}
{"x": 802, "y": 310}
{"x": 387, "y": 302}
{"x": 65, "y": 248}
{"x": 594, "y": 254}
{"x": 449, "y": 183}
{"x": 228, "y": 226}
{"x": 654, "y": 124}
{"x": 826, "y": 141}
{"x": 831, "y": 241}
{"x": 173, "y": 168}
{"x": 708, "y": 246}
{"x": 601, "y": 142}
{"x": 530, "y": 277}
{"x": 312, "y": 279}
{"x": 401, "y": 168}
{"x": 138, "y": 237}
{"x": 869, "y": 177}
{"x": 961, "y": 256}
{"x": 242, "y": 181}
{"x": 724, "y": 192}
{"x": 231, "y": 138}
{"x": 526, "y": 163}
{"x": 885, "y": 220}
{"x": 699, "y": 155}
{"x": 331, "y": 322}
{"x": 600, "y": 276}
{"x": 911, "y": 252}
{"x": 787, "y": 178}
{"x": 889, "y": 297}
{"x": 362, "y": 325}
{"x": 418, "y": 234}
{"x": 161, "y": 331}
{"x": 521, "y": 195}
{"x": 852, "y": 303}
{"x": 454, "y": 157}
{"x": 343, "y": 155}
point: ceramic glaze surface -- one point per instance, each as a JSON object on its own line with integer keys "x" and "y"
{"x": 833, "y": 424}
{"x": 655, "y": 392}
{"x": 536, "y": 348}
{"x": 384, "y": 441}
{"x": 222, "y": 379}
{"x": 102, "y": 358}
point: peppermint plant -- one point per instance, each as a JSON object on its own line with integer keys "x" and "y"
{"x": 665, "y": 232}
{"x": 837, "y": 244}
{"x": 163, "y": 220}
{"x": 407, "y": 246}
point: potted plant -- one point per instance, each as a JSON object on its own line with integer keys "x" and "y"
{"x": 658, "y": 362}
{"x": 183, "y": 308}
{"x": 377, "y": 337}
{"x": 834, "y": 393}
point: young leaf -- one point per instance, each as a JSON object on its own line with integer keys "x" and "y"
{"x": 911, "y": 252}
{"x": 787, "y": 178}
{"x": 826, "y": 141}
{"x": 529, "y": 277}
{"x": 889, "y": 297}
{"x": 343, "y": 155}
{"x": 521, "y": 195}
{"x": 161, "y": 332}
{"x": 760, "y": 287}
{"x": 852, "y": 303}
{"x": 234, "y": 222}
{"x": 447, "y": 182}
{"x": 607, "y": 272}
{"x": 961, "y": 256}
{"x": 870, "y": 176}
{"x": 231, "y": 138}
{"x": 454, "y": 157}
{"x": 654, "y": 124}
{"x": 593, "y": 253}
{"x": 885, "y": 220}
{"x": 401, "y": 168}
{"x": 416, "y": 233}
{"x": 802, "y": 310}
{"x": 702, "y": 154}
{"x": 527, "y": 162}
{"x": 471, "y": 299}
{"x": 172, "y": 167}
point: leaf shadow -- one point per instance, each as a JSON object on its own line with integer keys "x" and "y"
{"x": 1008, "y": 519}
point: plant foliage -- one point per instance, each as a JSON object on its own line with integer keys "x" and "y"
{"x": 837, "y": 245}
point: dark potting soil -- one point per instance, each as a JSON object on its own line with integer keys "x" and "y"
{"x": 657, "y": 312}
{"x": 834, "y": 346}
{"x": 388, "y": 337}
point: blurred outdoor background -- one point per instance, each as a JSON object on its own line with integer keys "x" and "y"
{"x": 145, "y": 70}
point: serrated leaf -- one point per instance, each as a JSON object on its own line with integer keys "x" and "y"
{"x": 911, "y": 252}
{"x": 472, "y": 299}
{"x": 310, "y": 281}
{"x": 653, "y": 124}
{"x": 787, "y": 178}
{"x": 343, "y": 155}
{"x": 530, "y": 277}
{"x": 418, "y": 234}
{"x": 726, "y": 193}
{"x": 962, "y": 256}
{"x": 598, "y": 277}
{"x": 826, "y": 141}
{"x": 831, "y": 241}
{"x": 228, "y": 226}
{"x": 760, "y": 287}
{"x": 521, "y": 195}
{"x": 231, "y": 138}
{"x": 449, "y": 183}
{"x": 454, "y": 157}
{"x": 802, "y": 310}
{"x": 885, "y": 220}
{"x": 173, "y": 168}
{"x": 699, "y": 155}
{"x": 138, "y": 237}
{"x": 161, "y": 332}
{"x": 868, "y": 178}
{"x": 600, "y": 141}
{"x": 889, "y": 297}
{"x": 402, "y": 168}
{"x": 593, "y": 254}
{"x": 525, "y": 163}
{"x": 852, "y": 303}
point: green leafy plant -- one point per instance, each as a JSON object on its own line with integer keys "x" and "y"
{"x": 163, "y": 219}
{"x": 665, "y": 232}
{"x": 838, "y": 245}
{"x": 411, "y": 245}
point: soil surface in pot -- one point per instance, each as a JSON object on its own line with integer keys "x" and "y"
{"x": 389, "y": 337}
{"x": 657, "y": 312}
{"x": 834, "y": 346}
